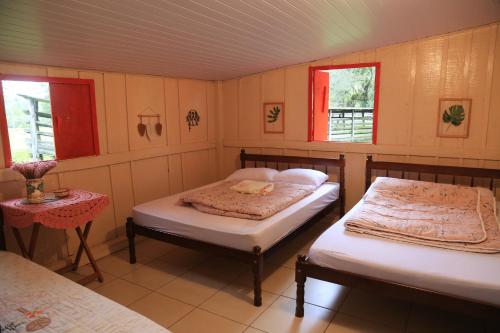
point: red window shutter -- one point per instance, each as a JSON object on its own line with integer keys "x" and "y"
{"x": 73, "y": 112}
{"x": 321, "y": 95}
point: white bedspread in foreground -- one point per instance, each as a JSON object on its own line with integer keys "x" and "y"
{"x": 35, "y": 299}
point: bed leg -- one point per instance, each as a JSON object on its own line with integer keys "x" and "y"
{"x": 131, "y": 239}
{"x": 257, "y": 268}
{"x": 300, "y": 278}
{"x": 342, "y": 206}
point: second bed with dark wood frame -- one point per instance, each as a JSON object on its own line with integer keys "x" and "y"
{"x": 305, "y": 268}
{"x": 256, "y": 256}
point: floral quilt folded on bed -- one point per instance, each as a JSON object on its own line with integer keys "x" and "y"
{"x": 222, "y": 200}
{"x": 442, "y": 215}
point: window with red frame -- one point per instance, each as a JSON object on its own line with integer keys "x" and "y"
{"x": 43, "y": 118}
{"x": 343, "y": 103}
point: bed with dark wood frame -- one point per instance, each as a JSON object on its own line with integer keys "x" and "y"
{"x": 305, "y": 268}
{"x": 255, "y": 257}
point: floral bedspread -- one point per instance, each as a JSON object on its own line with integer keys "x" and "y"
{"x": 222, "y": 200}
{"x": 34, "y": 299}
{"x": 442, "y": 215}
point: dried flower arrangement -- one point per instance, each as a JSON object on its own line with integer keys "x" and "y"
{"x": 34, "y": 170}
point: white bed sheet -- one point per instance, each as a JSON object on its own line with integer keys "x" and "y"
{"x": 474, "y": 276}
{"x": 167, "y": 215}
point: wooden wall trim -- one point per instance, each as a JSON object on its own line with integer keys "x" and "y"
{"x": 111, "y": 159}
{"x": 369, "y": 149}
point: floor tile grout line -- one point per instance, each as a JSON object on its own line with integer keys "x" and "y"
{"x": 319, "y": 306}
{"x": 224, "y": 317}
{"x": 271, "y": 304}
{"x": 182, "y": 317}
{"x": 128, "y": 306}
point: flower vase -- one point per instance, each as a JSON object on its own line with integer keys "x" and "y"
{"x": 34, "y": 190}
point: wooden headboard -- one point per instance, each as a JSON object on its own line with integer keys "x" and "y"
{"x": 435, "y": 170}
{"x": 279, "y": 162}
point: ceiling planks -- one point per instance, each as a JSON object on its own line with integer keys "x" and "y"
{"x": 218, "y": 39}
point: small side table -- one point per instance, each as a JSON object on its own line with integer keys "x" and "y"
{"x": 78, "y": 209}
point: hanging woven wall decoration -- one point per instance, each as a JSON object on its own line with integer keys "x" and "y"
{"x": 192, "y": 118}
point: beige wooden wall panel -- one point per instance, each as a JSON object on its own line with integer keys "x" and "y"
{"x": 296, "y": 102}
{"x": 493, "y": 132}
{"x": 272, "y": 151}
{"x": 95, "y": 180}
{"x": 395, "y": 94}
{"x": 414, "y": 75}
{"x": 145, "y": 95}
{"x": 455, "y": 75}
{"x": 249, "y": 108}
{"x": 351, "y": 58}
{"x": 116, "y": 112}
{"x": 231, "y": 161}
{"x": 150, "y": 179}
{"x": 195, "y": 169}
{"x": 193, "y": 96}
{"x": 479, "y": 84}
{"x": 212, "y": 166}
{"x": 212, "y": 107}
{"x": 22, "y": 69}
{"x": 100, "y": 105}
{"x": 229, "y": 106}
{"x": 123, "y": 194}
{"x": 175, "y": 173}
{"x": 429, "y": 54}
{"x": 62, "y": 72}
{"x": 272, "y": 90}
{"x": 172, "y": 111}
{"x": 368, "y": 56}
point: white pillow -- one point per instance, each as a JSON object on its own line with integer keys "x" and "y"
{"x": 264, "y": 174}
{"x": 301, "y": 176}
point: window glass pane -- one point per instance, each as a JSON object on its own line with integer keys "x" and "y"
{"x": 29, "y": 120}
{"x": 350, "y": 104}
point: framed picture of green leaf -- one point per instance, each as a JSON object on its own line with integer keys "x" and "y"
{"x": 274, "y": 117}
{"x": 454, "y": 117}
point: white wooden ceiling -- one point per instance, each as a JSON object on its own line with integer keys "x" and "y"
{"x": 218, "y": 39}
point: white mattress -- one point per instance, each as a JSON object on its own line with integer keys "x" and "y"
{"x": 473, "y": 276}
{"x": 167, "y": 215}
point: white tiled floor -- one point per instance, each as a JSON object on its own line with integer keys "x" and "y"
{"x": 187, "y": 291}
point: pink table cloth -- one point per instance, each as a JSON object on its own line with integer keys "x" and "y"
{"x": 78, "y": 208}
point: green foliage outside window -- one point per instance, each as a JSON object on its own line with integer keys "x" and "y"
{"x": 352, "y": 87}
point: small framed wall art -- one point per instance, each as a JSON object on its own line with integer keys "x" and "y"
{"x": 454, "y": 117}
{"x": 274, "y": 117}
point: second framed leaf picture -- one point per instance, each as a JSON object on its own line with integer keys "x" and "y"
{"x": 454, "y": 117}
{"x": 274, "y": 117}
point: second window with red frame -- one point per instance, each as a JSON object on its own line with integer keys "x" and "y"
{"x": 343, "y": 103}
